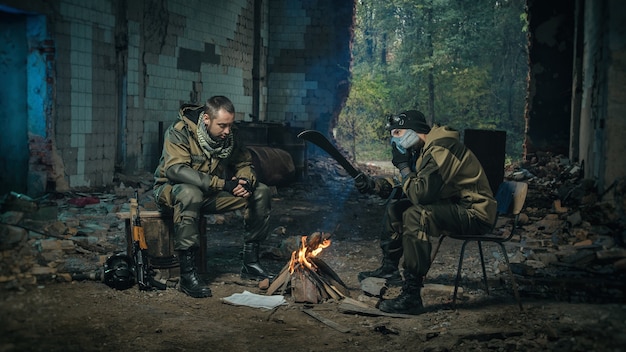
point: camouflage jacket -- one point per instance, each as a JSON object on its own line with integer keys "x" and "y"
{"x": 182, "y": 152}
{"x": 447, "y": 170}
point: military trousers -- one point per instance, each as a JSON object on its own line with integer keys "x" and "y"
{"x": 409, "y": 226}
{"x": 188, "y": 203}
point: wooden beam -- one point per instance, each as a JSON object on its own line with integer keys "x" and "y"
{"x": 326, "y": 321}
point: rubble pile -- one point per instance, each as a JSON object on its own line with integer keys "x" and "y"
{"x": 573, "y": 237}
{"x": 60, "y": 237}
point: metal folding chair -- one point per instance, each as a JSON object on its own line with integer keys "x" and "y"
{"x": 511, "y": 196}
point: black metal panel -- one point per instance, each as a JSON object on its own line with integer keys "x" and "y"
{"x": 489, "y": 146}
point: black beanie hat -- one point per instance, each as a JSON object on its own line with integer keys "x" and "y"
{"x": 412, "y": 119}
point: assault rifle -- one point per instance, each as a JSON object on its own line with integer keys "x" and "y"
{"x": 143, "y": 271}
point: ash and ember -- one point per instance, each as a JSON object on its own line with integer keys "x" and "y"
{"x": 570, "y": 264}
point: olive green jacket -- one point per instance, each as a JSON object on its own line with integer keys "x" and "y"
{"x": 447, "y": 170}
{"x": 183, "y": 160}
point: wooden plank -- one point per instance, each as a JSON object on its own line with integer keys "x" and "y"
{"x": 303, "y": 290}
{"x": 340, "y": 289}
{"x": 317, "y": 282}
{"x": 326, "y": 289}
{"x": 325, "y": 268}
{"x": 326, "y": 321}
{"x": 281, "y": 279}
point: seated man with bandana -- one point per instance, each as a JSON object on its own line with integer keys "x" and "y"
{"x": 205, "y": 168}
{"x": 444, "y": 188}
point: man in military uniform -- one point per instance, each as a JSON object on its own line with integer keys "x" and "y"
{"x": 205, "y": 168}
{"x": 444, "y": 188}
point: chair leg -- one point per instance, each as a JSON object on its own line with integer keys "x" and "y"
{"x": 458, "y": 273}
{"x": 513, "y": 282}
{"x": 432, "y": 257}
{"x": 482, "y": 264}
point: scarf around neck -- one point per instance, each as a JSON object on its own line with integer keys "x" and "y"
{"x": 214, "y": 148}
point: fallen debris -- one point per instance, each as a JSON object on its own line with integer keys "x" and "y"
{"x": 326, "y": 321}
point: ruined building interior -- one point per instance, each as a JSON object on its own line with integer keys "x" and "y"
{"x": 90, "y": 86}
{"x": 100, "y": 82}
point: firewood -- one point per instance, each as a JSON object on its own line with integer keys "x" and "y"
{"x": 303, "y": 290}
{"x": 279, "y": 281}
{"x": 313, "y": 284}
{"x": 325, "y": 268}
{"x": 330, "y": 285}
{"x": 327, "y": 288}
{"x": 319, "y": 283}
{"x": 340, "y": 289}
{"x": 314, "y": 240}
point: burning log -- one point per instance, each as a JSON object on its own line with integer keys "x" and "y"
{"x": 310, "y": 279}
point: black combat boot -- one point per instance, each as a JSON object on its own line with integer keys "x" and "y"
{"x": 410, "y": 299}
{"x": 251, "y": 268}
{"x": 190, "y": 283}
{"x": 389, "y": 268}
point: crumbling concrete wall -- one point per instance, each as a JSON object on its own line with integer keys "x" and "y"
{"x": 615, "y": 141}
{"x": 120, "y": 70}
{"x": 576, "y": 104}
{"x": 603, "y": 106}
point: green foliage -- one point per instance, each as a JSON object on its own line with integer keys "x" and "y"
{"x": 361, "y": 118}
{"x": 462, "y": 63}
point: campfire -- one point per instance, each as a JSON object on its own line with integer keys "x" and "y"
{"x": 308, "y": 277}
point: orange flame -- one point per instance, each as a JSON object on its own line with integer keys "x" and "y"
{"x": 301, "y": 256}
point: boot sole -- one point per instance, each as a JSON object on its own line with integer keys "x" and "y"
{"x": 412, "y": 311}
{"x": 255, "y": 277}
{"x": 417, "y": 311}
{"x": 199, "y": 295}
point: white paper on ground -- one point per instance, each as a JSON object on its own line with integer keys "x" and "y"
{"x": 250, "y": 299}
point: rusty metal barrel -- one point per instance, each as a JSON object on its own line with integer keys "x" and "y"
{"x": 274, "y": 166}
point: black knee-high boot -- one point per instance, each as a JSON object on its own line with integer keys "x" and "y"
{"x": 410, "y": 299}
{"x": 251, "y": 268}
{"x": 389, "y": 267}
{"x": 190, "y": 283}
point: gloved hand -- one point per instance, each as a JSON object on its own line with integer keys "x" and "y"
{"x": 230, "y": 185}
{"x": 364, "y": 183}
{"x": 399, "y": 160}
{"x": 247, "y": 185}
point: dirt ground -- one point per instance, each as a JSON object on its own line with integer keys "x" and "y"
{"x": 90, "y": 316}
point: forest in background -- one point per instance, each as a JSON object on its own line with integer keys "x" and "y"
{"x": 464, "y": 64}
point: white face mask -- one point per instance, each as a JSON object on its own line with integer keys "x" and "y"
{"x": 408, "y": 139}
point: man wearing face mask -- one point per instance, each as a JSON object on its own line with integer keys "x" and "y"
{"x": 444, "y": 189}
{"x": 205, "y": 168}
